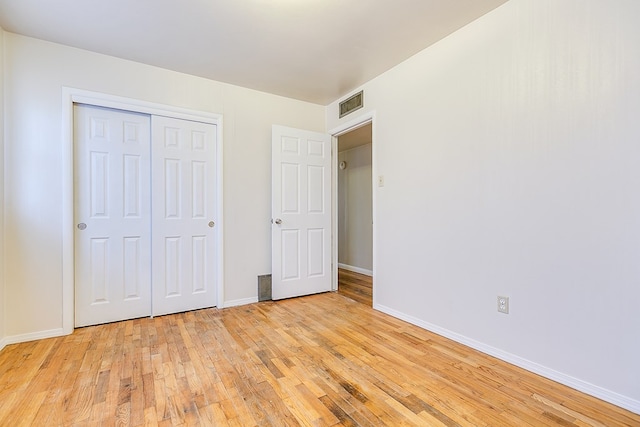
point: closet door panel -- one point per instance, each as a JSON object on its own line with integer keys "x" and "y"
{"x": 183, "y": 223}
{"x": 112, "y": 215}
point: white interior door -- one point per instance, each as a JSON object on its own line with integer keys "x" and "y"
{"x": 184, "y": 204}
{"x": 301, "y": 212}
{"x": 112, "y": 215}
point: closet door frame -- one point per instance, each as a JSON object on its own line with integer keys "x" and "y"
{"x": 71, "y": 96}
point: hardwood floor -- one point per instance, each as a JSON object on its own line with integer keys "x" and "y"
{"x": 356, "y": 286}
{"x": 321, "y": 360}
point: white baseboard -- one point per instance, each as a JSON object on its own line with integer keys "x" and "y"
{"x": 356, "y": 269}
{"x": 575, "y": 383}
{"x": 15, "y": 339}
{"x": 237, "y": 302}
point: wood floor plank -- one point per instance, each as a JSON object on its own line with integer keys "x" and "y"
{"x": 356, "y": 286}
{"x": 322, "y": 360}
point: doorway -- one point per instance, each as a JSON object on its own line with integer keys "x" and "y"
{"x": 355, "y": 214}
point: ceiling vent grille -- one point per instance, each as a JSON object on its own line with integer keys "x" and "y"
{"x": 351, "y": 104}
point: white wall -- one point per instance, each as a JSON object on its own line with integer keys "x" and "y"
{"x": 2, "y": 299}
{"x": 511, "y": 153}
{"x": 354, "y": 209}
{"x": 35, "y": 72}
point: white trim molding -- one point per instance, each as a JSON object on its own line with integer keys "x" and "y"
{"x": 71, "y": 96}
{"x": 577, "y": 384}
{"x": 33, "y": 336}
{"x": 356, "y": 269}
{"x": 239, "y": 302}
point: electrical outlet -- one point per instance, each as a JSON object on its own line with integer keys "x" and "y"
{"x": 503, "y": 305}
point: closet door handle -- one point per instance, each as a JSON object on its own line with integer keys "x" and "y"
{"x": 82, "y": 226}
{"x": 211, "y": 224}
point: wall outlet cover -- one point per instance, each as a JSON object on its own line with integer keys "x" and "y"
{"x": 503, "y": 305}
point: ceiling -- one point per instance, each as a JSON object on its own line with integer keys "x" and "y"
{"x": 312, "y": 50}
{"x": 355, "y": 138}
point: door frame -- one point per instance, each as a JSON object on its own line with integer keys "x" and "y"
{"x": 71, "y": 96}
{"x": 345, "y": 127}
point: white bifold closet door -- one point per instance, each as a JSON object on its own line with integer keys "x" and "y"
{"x": 144, "y": 204}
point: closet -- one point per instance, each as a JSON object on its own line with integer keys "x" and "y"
{"x": 144, "y": 205}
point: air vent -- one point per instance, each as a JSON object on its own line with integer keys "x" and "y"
{"x": 351, "y": 104}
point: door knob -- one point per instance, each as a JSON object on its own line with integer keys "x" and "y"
{"x": 278, "y": 221}
{"x": 211, "y": 224}
{"x": 82, "y": 226}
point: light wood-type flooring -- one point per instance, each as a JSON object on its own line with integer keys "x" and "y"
{"x": 322, "y": 360}
{"x": 356, "y": 286}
